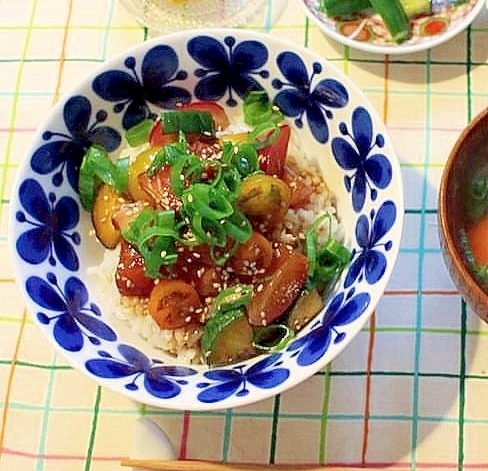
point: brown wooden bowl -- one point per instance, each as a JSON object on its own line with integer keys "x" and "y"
{"x": 468, "y": 155}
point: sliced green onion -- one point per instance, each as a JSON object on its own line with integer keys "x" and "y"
{"x": 182, "y": 171}
{"x": 139, "y": 134}
{"x": 169, "y": 154}
{"x": 221, "y": 255}
{"x": 238, "y": 227}
{"x": 476, "y": 203}
{"x": 208, "y": 231}
{"x": 325, "y": 261}
{"x": 272, "y": 338}
{"x": 334, "y": 252}
{"x": 311, "y": 251}
{"x": 188, "y": 121}
{"x": 227, "y": 181}
{"x": 233, "y": 297}
{"x": 245, "y": 159}
{"x": 97, "y": 167}
{"x": 207, "y": 201}
{"x": 153, "y": 234}
{"x": 258, "y": 109}
{"x": 264, "y": 134}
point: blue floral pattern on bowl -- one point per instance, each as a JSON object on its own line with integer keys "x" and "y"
{"x": 73, "y": 316}
{"x": 52, "y": 239}
{"x": 161, "y": 381}
{"x": 66, "y": 145}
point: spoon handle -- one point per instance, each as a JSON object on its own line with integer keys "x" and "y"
{"x": 200, "y": 465}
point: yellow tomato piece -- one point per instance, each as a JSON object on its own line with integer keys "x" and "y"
{"x": 138, "y": 166}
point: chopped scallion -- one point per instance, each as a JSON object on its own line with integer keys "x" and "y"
{"x": 97, "y": 167}
{"x": 154, "y": 234}
{"x": 234, "y": 297}
{"x": 327, "y": 260}
{"x": 258, "y": 109}
{"x": 188, "y": 121}
{"x": 139, "y": 133}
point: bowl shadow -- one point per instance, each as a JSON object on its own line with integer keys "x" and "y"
{"x": 385, "y": 400}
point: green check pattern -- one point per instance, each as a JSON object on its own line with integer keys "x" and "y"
{"x": 410, "y": 391}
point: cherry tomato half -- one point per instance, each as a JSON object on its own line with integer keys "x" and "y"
{"x": 130, "y": 276}
{"x": 159, "y": 139}
{"x": 301, "y": 189}
{"x": 273, "y": 296}
{"x": 158, "y": 188}
{"x": 272, "y": 157}
{"x": 174, "y": 304}
{"x": 252, "y": 257}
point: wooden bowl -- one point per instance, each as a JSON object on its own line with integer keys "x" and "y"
{"x": 468, "y": 155}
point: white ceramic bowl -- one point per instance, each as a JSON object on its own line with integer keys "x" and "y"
{"x": 368, "y": 33}
{"x": 54, "y": 247}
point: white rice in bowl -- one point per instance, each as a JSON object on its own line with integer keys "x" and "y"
{"x": 184, "y": 343}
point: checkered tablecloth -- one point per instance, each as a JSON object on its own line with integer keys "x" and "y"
{"x": 411, "y": 391}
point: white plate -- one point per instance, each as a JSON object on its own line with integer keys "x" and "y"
{"x": 368, "y": 33}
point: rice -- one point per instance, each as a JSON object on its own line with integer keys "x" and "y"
{"x": 184, "y": 343}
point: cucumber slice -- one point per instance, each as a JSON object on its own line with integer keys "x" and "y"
{"x": 416, "y": 7}
{"x": 395, "y": 18}
{"x": 272, "y": 338}
{"x": 341, "y": 8}
{"x": 306, "y": 307}
{"x": 227, "y": 338}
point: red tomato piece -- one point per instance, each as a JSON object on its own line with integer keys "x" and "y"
{"x": 273, "y": 296}
{"x": 130, "y": 276}
{"x": 301, "y": 189}
{"x": 219, "y": 115}
{"x": 159, "y": 139}
{"x": 174, "y": 304}
{"x": 158, "y": 187}
{"x": 196, "y": 267}
{"x": 272, "y": 157}
{"x": 253, "y": 257}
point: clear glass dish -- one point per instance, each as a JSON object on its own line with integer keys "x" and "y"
{"x": 171, "y": 15}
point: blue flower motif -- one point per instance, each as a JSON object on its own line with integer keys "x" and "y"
{"x": 370, "y": 261}
{"x": 131, "y": 94}
{"x": 223, "y": 384}
{"x": 74, "y": 314}
{"x": 370, "y": 169}
{"x": 49, "y": 233}
{"x": 66, "y": 149}
{"x": 300, "y": 97}
{"x": 342, "y": 310}
{"x": 159, "y": 380}
{"x": 227, "y": 67}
